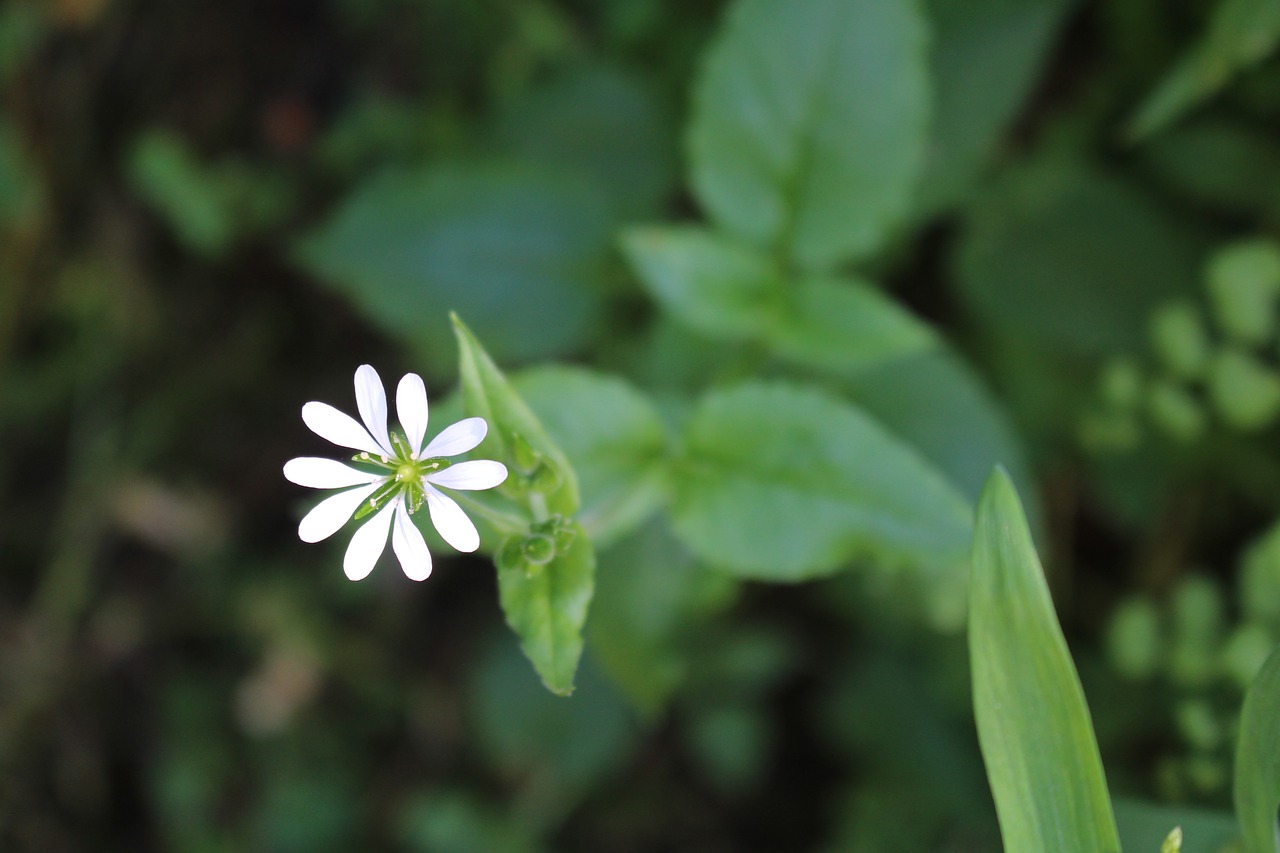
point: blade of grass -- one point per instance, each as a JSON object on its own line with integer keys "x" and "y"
{"x": 1033, "y": 724}
{"x": 1257, "y": 782}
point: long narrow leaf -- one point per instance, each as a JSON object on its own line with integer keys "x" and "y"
{"x": 1034, "y": 727}
{"x": 1257, "y": 783}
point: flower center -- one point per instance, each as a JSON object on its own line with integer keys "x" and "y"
{"x": 406, "y": 476}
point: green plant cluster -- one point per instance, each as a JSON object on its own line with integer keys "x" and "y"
{"x": 1200, "y": 646}
{"x": 1212, "y": 364}
{"x": 753, "y": 296}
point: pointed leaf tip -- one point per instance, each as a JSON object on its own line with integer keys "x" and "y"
{"x": 1033, "y": 724}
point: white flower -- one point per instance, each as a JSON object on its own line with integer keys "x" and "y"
{"x": 399, "y": 475}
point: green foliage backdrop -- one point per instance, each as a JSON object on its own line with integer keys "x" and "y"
{"x": 753, "y": 295}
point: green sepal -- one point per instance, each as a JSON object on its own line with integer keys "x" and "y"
{"x": 378, "y": 500}
{"x": 516, "y": 436}
{"x": 547, "y": 607}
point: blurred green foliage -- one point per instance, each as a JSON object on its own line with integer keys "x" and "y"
{"x": 765, "y": 287}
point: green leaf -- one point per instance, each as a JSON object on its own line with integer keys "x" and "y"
{"x": 165, "y": 172}
{"x": 1219, "y": 164}
{"x": 785, "y": 483}
{"x": 547, "y": 606}
{"x": 561, "y": 748}
{"x": 727, "y": 290}
{"x": 1257, "y": 780}
{"x": 1243, "y": 284}
{"x": 209, "y": 206}
{"x": 1033, "y": 725}
{"x": 516, "y": 436}
{"x": 651, "y": 595}
{"x": 987, "y": 56}
{"x": 1240, "y": 34}
{"x": 712, "y": 283}
{"x": 1071, "y": 259}
{"x": 603, "y": 124}
{"x": 613, "y": 439}
{"x": 1244, "y": 389}
{"x": 844, "y": 325}
{"x": 936, "y": 403}
{"x": 517, "y": 249}
{"x": 809, "y": 123}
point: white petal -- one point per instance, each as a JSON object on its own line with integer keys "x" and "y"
{"x": 410, "y": 547}
{"x": 411, "y": 406}
{"x": 451, "y": 522}
{"x": 456, "y": 438}
{"x": 331, "y": 513}
{"x": 368, "y": 543}
{"x": 371, "y": 400}
{"x": 477, "y": 474}
{"x": 316, "y": 473}
{"x": 338, "y": 427}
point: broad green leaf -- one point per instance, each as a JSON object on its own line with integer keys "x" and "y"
{"x": 1257, "y": 778}
{"x": 1219, "y": 164}
{"x": 986, "y": 58}
{"x": 613, "y": 438}
{"x": 517, "y": 249}
{"x": 1240, "y": 34}
{"x": 1033, "y": 725}
{"x": 712, "y": 283}
{"x": 1070, "y": 260}
{"x": 601, "y": 123}
{"x": 651, "y": 595}
{"x": 726, "y": 290}
{"x": 515, "y": 437}
{"x": 547, "y": 605}
{"x": 809, "y": 123}
{"x": 844, "y": 325}
{"x": 562, "y": 748}
{"x": 786, "y": 483}
{"x": 935, "y": 402}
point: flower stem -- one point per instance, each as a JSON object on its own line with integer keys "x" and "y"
{"x": 538, "y": 505}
